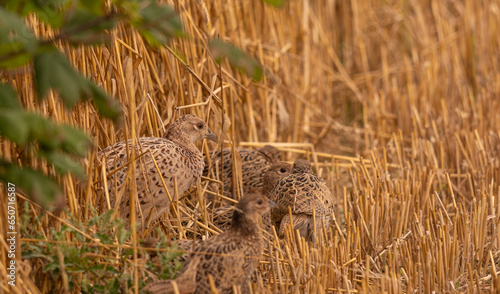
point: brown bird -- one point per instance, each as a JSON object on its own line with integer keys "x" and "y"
{"x": 230, "y": 258}
{"x": 302, "y": 191}
{"x": 222, "y": 215}
{"x": 254, "y": 164}
{"x": 271, "y": 178}
{"x": 176, "y": 157}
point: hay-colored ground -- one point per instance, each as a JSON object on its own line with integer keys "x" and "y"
{"x": 395, "y": 102}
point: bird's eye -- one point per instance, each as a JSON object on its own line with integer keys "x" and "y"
{"x": 283, "y": 170}
{"x": 199, "y": 126}
{"x": 259, "y": 202}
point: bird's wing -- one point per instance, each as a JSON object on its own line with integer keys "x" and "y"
{"x": 303, "y": 197}
{"x": 222, "y": 257}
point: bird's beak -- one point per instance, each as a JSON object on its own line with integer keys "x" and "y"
{"x": 211, "y": 136}
{"x": 272, "y": 204}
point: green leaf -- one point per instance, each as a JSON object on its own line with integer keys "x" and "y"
{"x": 54, "y": 71}
{"x": 96, "y": 7}
{"x": 85, "y": 27}
{"x": 48, "y": 11}
{"x": 8, "y": 98}
{"x": 51, "y": 12}
{"x": 53, "y": 266}
{"x": 107, "y": 107}
{"x": 130, "y": 8}
{"x": 43, "y": 131}
{"x": 51, "y": 136}
{"x": 13, "y": 126}
{"x": 275, "y": 3}
{"x": 28, "y": 255}
{"x": 114, "y": 286}
{"x": 12, "y": 28}
{"x": 123, "y": 233}
{"x": 74, "y": 140}
{"x": 237, "y": 58}
{"x": 64, "y": 164}
{"x": 158, "y": 23}
{"x": 20, "y": 7}
{"x": 10, "y": 57}
{"x": 104, "y": 238}
{"x": 37, "y": 186}
{"x": 17, "y": 42}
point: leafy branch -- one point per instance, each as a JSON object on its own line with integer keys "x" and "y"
{"x": 78, "y": 23}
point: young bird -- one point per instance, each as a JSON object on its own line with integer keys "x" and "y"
{"x": 176, "y": 157}
{"x": 254, "y": 164}
{"x": 271, "y": 178}
{"x": 230, "y": 258}
{"x": 302, "y": 191}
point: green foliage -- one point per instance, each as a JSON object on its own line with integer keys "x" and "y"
{"x": 237, "y": 58}
{"x": 88, "y": 27}
{"x": 276, "y": 3}
{"x": 8, "y": 98}
{"x": 41, "y": 188}
{"x": 78, "y": 258}
{"x": 57, "y": 143}
{"x": 79, "y": 23}
{"x": 157, "y": 23}
{"x": 96, "y": 269}
{"x": 169, "y": 260}
{"x": 17, "y": 42}
{"x": 53, "y": 71}
{"x": 64, "y": 163}
{"x": 47, "y": 11}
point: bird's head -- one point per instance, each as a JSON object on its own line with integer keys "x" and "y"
{"x": 254, "y": 203}
{"x": 272, "y": 153}
{"x": 275, "y": 172}
{"x": 189, "y": 128}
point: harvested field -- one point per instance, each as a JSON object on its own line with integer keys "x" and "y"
{"x": 394, "y": 102}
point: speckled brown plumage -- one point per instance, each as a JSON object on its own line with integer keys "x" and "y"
{"x": 271, "y": 178}
{"x": 176, "y": 157}
{"x": 222, "y": 216}
{"x": 302, "y": 191}
{"x": 230, "y": 258}
{"x": 254, "y": 164}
